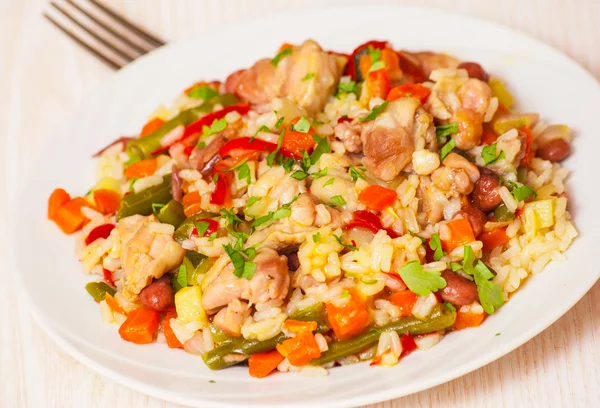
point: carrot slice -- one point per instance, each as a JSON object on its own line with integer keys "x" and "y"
{"x": 57, "y": 199}
{"x": 172, "y": 340}
{"x": 405, "y": 300}
{"x": 298, "y": 326}
{"x": 114, "y": 305}
{"x": 107, "y": 201}
{"x": 461, "y": 233}
{"x": 262, "y": 364}
{"x": 152, "y": 126}
{"x": 377, "y": 197}
{"x": 301, "y": 349}
{"x": 466, "y": 320}
{"x": 349, "y": 319}
{"x": 140, "y": 326}
{"x": 296, "y": 142}
{"x": 69, "y": 217}
{"x": 378, "y": 83}
{"x": 141, "y": 168}
{"x": 191, "y": 203}
{"x": 418, "y": 91}
{"x": 493, "y": 239}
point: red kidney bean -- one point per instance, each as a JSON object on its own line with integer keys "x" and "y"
{"x": 485, "y": 194}
{"x": 158, "y": 295}
{"x": 458, "y": 291}
{"x": 555, "y": 150}
{"x": 476, "y": 217}
{"x": 474, "y": 70}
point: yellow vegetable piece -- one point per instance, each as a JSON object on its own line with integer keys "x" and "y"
{"x": 188, "y": 302}
{"x": 500, "y": 92}
{"x": 538, "y": 215}
{"x": 161, "y": 113}
{"x": 107, "y": 183}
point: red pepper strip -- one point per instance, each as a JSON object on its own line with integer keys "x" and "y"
{"x": 222, "y": 193}
{"x": 408, "y": 344}
{"x": 205, "y": 120}
{"x": 188, "y": 150}
{"x": 344, "y": 119}
{"x": 246, "y": 143}
{"x": 108, "y": 276}
{"x": 212, "y": 226}
{"x": 368, "y": 220}
{"x": 101, "y": 231}
{"x": 351, "y": 67}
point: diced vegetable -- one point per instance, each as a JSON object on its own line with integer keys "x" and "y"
{"x": 114, "y": 305}
{"x": 493, "y": 239}
{"x": 440, "y": 319}
{"x": 301, "y": 349}
{"x": 191, "y": 203}
{"x": 151, "y": 126}
{"x": 56, "y": 200}
{"x": 172, "y": 340}
{"x": 368, "y": 220}
{"x": 141, "y": 168}
{"x": 141, "y": 203}
{"x": 107, "y": 183}
{"x": 98, "y": 290}
{"x": 488, "y": 136}
{"x": 504, "y": 123}
{"x": 529, "y": 153}
{"x": 222, "y": 192}
{"x": 378, "y": 83}
{"x": 418, "y": 91}
{"x": 107, "y": 201}
{"x": 69, "y": 217}
{"x": 466, "y": 320}
{"x": 140, "y": 326}
{"x": 295, "y": 141}
{"x": 196, "y": 266}
{"x": 242, "y": 145}
{"x": 538, "y": 215}
{"x": 461, "y": 233}
{"x": 377, "y": 197}
{"x": 405, "y": 300}
{"x": 188, "y": 303}
{"x": 101, "y": 231}
{"x": 187, "y": 227}
{"x": 262, "y": 364}
{"x": 502, "y": 213}
{"x": 408, "y": 344}
{"x": 352, "y": 68}
{"x": 297, "y": 326}
{"x": 351, "y": 318}
{"x": 500, "y": 92}
{"x": 171, "y": 213}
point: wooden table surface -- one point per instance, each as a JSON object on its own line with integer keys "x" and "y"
{"x": 42, "y": 77}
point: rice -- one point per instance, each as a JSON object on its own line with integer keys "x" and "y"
{"x": 159, "y": 228}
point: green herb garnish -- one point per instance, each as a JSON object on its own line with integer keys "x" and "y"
{"x": 447, "y": 148}
{"x": 419, "y": 280}
{"x": 374, "y": 113}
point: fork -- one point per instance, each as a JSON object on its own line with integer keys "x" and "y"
{"x": 101, "y": 31}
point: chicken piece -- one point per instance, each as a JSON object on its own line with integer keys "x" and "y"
{"x": 430, "y": 61}
{"x": 389, "y": 143}
{"x": 230, "y": 319}
{"x": 271, "y": 280}
{"x": 265, "y": 81}
{"x": 457, "y": 175}
{"x": 306, "y": 217}
{"x": 145, "y": 254}
{"x": 349, "y": 135}
{"x": 475, "y": 95}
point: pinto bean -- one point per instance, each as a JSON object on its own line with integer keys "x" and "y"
{"x": 476, "y": 217}
{"x": 458, "y": 291}
{"x": 555, "y": 150}
{"x": 474, "y": 70}
{"x": 293, "y": 261}
{"x": 485, "y": 194}
{"x": 158, "y": 295}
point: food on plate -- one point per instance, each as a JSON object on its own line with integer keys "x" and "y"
{"x": 320, "y": 209}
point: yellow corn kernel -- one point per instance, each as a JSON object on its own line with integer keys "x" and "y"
{"x": 188, "y": 302}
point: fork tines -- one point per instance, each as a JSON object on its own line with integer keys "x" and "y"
{"x": 104, "y": 33}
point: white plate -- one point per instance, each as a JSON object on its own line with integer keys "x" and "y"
{"x": 541, "y": 79}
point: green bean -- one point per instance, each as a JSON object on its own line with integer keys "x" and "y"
{"x": 503, "y": 214}
{"x": 185, "y": 229}
{"x": 231, "y": 352}
{"x": 144, "y": 146}
{"x": 98, "y": 290}
{"x": 440, "y": 319}
{"x": 141, "y": 203}
{"x": 171, "y": 213}
{"x": 196, "y": 266}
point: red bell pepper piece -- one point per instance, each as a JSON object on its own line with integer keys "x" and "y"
{"x": 222, "y": 193}
{"x": 208, "y": 119}
{"x": 408, "y": 344}
{"x": 140, "y": 326}
{"x": 101, "y": 231}
{"x": 188, "y": 150}
{"x": 418, "y": 91}
{"x": 212, "y": 226}
{"x": 108, "y": 277}
{"x": 377, "y": 198}
{"x": 246, "y": 144}
{"x": 528, "y": 156}
{"x": 351, "y": 67}
{"x": 368, "y": 220}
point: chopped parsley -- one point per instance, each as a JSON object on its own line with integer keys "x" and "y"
{"x": 523, "y": 192}
{"x": 244, "y": 173}
{"x": 249, "y": 269}
{"x": 132, "y": 182}
{"x": 272, "y": 156}
{"x": 252, "y": 201}
{"x": 182, "y": 276}
{"x": 489, "y": 156}
{"x": 217, "y": 126}
{"x": 340, "y": 241}
{"x": 329, "y": 182}
{"x": 450, "y": 306}
{"x": 201, "y": 227}
{"x": 420, "y": 281}
{"x": 446, "y": 130}
{"x": 284, "y": 212}
{"x": 338, "y": 200}
{"x": 355, "y": 174}
{"x": 288, "y": 163}
{"x": 156, "y": 208}
{"x": 322, "y": 147}
{"x": 132, "y": 160}
{"x": 374, "y": 54}
{"x": 372, "y": 282}
{"x": 239, "y": 263}
{"x": 435, "y": 244}
{"x": 374, "y": 113}
{"x": 202, "y": 92}
{"x": 345, "y": 293}
{"x": 497, "y": 334}
{"x": 280, "y": 55}
{"x": 377, "y": 66}
{"x": 302, "y": 126}
{"x": 212, "y": 236}
{"x": 319, "y": 174}
{"x": 455, "y": 266}
{"x": 447, "y": 148}
{"x": 216, "y": 178}
{"x": 212, "y": 381}
{"x": 347, "y": 87}
{"x": 316, "y": 237}
{"x": 299, "y": 175}
{"x": 279, "y": 122}
{"x": 490, "y": 293}
{"x": 306, "y": 162}
{"x": 231, "y": 218}
{"x": 201, "y": 145}
{"x": 308, "y": 76}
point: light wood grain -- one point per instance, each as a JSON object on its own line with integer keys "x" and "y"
{"x": 43, "y": 75}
